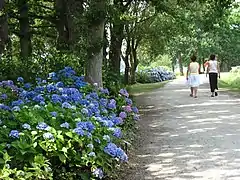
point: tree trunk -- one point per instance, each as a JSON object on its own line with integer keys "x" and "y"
{"x": 134, "y": 66}
{"x": 64, "y": 23}
{"x": 134, "y": 59}
{"x": 105, "y": 46}
{"x": 25, "y": 36}
{"x": 95, "y": 39}
{"x": 180, "y": 65}
{"x": 203, "y": 64}
{"x": 3, "y": 27}
{"x": 127, "y": 64}
{"x": 115, "y": 48}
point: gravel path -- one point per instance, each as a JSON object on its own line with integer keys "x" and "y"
{"x": 185, "y": 138}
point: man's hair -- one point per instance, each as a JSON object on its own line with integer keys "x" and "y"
{"x": 212, "y": 57}
{"x": 193, "y": 58}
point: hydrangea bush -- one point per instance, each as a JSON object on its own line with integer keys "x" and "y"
{"x": 154, "y": 75}
{"x": 62, "y": 128}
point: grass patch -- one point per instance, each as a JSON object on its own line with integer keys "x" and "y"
{"x": 138, "y": 88}
{"x": 230, "y": 81}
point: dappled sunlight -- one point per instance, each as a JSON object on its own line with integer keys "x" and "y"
{"x": 206, "y": 104}
{"x": 204, "y": 120}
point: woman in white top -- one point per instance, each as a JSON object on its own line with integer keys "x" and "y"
{"x": 193, "y": 76}
{"x": 214, "y": 72}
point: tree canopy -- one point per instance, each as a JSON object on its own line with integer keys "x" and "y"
{"x": 94, "y": 36}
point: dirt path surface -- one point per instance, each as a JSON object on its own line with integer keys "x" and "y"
{"x": 185, "y": 138}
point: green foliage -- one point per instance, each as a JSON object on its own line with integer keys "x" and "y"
{"x": 231, "y": 80}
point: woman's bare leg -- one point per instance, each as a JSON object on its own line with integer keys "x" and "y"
{"x": 191, "y": 91}
{"x": 195, "y": 92}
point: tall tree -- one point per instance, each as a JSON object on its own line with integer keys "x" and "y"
{"x": 24, "y": 34}
{"x": 96, "y": 24}
{"x": 3, "y": 26}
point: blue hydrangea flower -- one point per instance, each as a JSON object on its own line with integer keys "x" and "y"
{"x": 66, "y": 105}
{"x": 42, "y": 126}
{"x": 20, "y": 79}
{"x": 39, "y": 98}
{"x": 98, "y": 173}
{"x": 53, "y": 114}
{"x": 117, "y": 132}
{"x": 79, "y": 131}
{"x": 3, "y": 96}
{"x": 111, "y": 149}
{"x": 122, "y": 115}
{"x": 117, "y": 120}
{"x": 42, "y": 103}
{"x": 124, "y": 92}
{"x": 59, "y": 84}
{"x": 88, "y": 134}
{"x": 52, "y": 75}
{"x": 38, "y": 80}
{"x": 48, "y": 136}
{"x": 94, "y": 95}
{"x": 107, "y": 123}
{"x": 92, "y": 154}
{"x": 129, "y": 101}
{"x": 51, "y": 88}
{"x": 84, "y": 111}
{"x": 4, "y": 107}
{"x": 135, "y": 109}
{"x": 27, "y": 85}
{"x": 121, "y": 155}
{"x": 39, "y": 89}
{"x": 26, "y": 126}
{"x": 17, "y": 103}
{"x": 65, "y": 125}
{"x": 112, "y": 104}
{"x": 16, "y": 108}
{"x": 104, "y": 91}
{"x": 103, "y": 102}
{"x": 56, "y": 98}
{"x": 107, "y": 138}
{"x": 98, "y": 141}
{"x": 14, "y": 134}
{"x": 136, "y": 117}
{"x": 89, "y": 126}
{"x": 90, "y": 146}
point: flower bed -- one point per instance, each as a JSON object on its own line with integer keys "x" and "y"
{"x": 62, "y": 128}
{"x": 154, "y": 75}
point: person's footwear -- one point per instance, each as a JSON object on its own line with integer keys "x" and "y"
{"x": 191, "y": 95}
{"x": 216, "y": 94}
{"x": 212, "y": 95}
{"x": 195, "y": 96}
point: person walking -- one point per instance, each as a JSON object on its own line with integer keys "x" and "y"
{"x": 213, "y": 71}
{"x": 192, "y": 76}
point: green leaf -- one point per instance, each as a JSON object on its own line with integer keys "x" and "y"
{"x": 35, "y": 144}
{"x": 64, "y": 149}
{"x": 34, "y": 132}
{"x": 2, "y": 161}
{"x": 69, "y": 134}
{"x": 60, "y": 137}
{"x": 62, "y": 158}
{"x": 6, "y": 157}
{"x": 85, "y": 176}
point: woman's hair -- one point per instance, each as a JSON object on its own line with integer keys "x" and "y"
{"x": 193, "y": 58}
{"x": 212, "y": 57}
